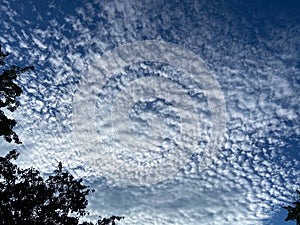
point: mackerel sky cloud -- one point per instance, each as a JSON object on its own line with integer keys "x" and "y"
{"x": 163, "y": 138}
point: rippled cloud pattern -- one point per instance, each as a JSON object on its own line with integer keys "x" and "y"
{"x": 149, "y": 115}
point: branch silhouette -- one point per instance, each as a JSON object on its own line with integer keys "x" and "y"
{"x": 294, "y": 211}
{"x": 26, "y": 197}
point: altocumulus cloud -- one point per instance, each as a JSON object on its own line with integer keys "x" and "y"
{"x": 252, "y": 51}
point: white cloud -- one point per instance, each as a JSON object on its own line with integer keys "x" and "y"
{"x": 253, "y": 172}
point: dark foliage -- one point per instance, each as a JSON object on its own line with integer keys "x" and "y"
{"x": 294, "y": 211}
{"x": 9, "y": 93}
{"x": 27, "y": 198}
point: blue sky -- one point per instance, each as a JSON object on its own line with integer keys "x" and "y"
{"x": 176, "y": 112}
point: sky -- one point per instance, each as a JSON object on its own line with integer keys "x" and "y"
{"x": 175, "y": 112}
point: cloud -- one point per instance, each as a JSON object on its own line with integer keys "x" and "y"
{"x": 253, "y": 59}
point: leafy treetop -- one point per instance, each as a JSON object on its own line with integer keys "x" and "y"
{"x": 294, "y": 211}
{"x": 27, "y": 198}
{"x": 9, "y": 93}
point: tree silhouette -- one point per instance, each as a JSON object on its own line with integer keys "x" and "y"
{"x": 294, "y": 211}
{"x": 26, "y": 198}
{"x": 9, "y": 93}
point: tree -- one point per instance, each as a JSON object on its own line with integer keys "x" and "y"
{"x": 9, "y": 93}
{"x": 294, "y": 211}
{"x": 27, "y": 198}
